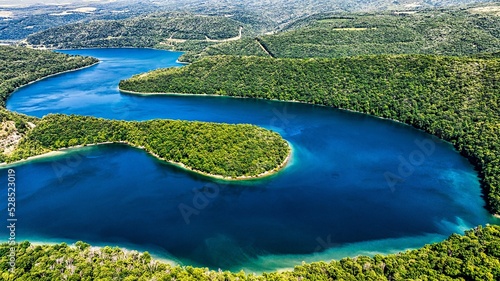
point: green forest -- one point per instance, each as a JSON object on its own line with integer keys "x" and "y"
{"x": 459, "y": 31}
{"x": 162, "y": 30}
{"x": 231, "y": 151}
{"x": 473, "y": 256}
{"x": 456, "y": 99}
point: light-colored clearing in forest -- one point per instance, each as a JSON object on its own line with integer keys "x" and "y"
{"x": 493, "y": 10}
{"x": 84, "y": 10}
{"x": 225, "y": 40}
{"x": 173, "y": 40}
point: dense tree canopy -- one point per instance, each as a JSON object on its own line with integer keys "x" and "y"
{"x": 333, "y": 35}
{"x": 230, "y": 151}
{"x": 19, "y": 66}
{"x": 174, "y": 30}
{"x": 454, "y": 98}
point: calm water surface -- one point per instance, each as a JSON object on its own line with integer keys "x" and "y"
{"x": 355, "y": 185}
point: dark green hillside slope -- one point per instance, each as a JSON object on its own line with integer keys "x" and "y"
{"x": 144, "y": 31}
{"x": 457, "y": 99}
{"x": 229, "y": 151}
{"x": 28, "y": 19}
{"x": 443, "y": 32}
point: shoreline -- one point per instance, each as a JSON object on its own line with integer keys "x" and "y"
{"x": 352, "y": 250}
{"x": 104, "y": 48}
{"x": 161, "y": 257}
{"x": 31, "y": 158}
{"x": 61, "y": 151}
{"x": 239, "y": 178}
{"x": 50, "y": 154}
{"x": 97, "y": 48}
{"x": 273, "y": 100}
{"x": 64, "y": 150}
{"x": 181, "y": 62}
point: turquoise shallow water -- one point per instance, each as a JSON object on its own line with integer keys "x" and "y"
{"x": 356, "y": 184}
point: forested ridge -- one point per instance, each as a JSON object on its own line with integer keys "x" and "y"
{"x": 473, "y": 256}
{"x": 450, "y": 31}
{"x": 453, "y": 31}
{"x": 456, "y": 99}
{"x": 230, "y": 151}
{"x": 264, "y": 15}
{"x": 162, "y": 30}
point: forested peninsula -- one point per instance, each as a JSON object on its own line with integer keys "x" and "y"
{"x": 216, "y": 150}
{"x": 453, "y": 98}
{"x": 473, "y": 256}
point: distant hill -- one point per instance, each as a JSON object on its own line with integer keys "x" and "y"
{"x": 167, "y": 29}
{"x": 283, "y": 12}
{"x": 461, "y": 31}
{"x": 17, "y": 22}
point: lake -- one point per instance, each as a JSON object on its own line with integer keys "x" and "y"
{"x": 355, "y": 185}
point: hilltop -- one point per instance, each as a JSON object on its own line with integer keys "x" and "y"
{"x": 456, "y": 32}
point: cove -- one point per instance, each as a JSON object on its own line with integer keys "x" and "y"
{"x": 355, "y": 185}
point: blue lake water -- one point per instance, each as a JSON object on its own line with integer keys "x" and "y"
{"x": 356, "y": 184}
